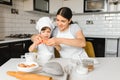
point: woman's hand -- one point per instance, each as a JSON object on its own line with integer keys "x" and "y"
{"x": 79, "y": 41}
{"x": 52, "y": 42}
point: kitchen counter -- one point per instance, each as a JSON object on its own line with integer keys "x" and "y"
{"x": 102, "y": 36}
{"x": 7, "y": 40}
{"x": 105, "y": 69}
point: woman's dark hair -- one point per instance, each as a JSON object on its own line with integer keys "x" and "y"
{"x": 65, "y": 12}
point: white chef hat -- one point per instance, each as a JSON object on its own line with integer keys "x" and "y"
{"x": 44, "y": 21}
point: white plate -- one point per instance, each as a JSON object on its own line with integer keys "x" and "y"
{"x": 27, "y": 66}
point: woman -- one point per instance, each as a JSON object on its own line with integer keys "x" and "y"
{"x": 68, "y": 35}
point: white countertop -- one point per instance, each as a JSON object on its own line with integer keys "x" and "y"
{"x": 107, "y": 69}
{"x": 7, "y": 40}
{"x": 102, "y": 36}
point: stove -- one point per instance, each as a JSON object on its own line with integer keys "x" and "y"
{"x": 19, "y": 36}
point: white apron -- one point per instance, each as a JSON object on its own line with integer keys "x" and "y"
{"x": 70, "y": 51}
{"x": 45, "y": 53}
{"x": 44, "y": 49}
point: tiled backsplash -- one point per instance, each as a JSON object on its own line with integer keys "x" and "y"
{"x": 13, "y": 23}
{"x": 92, "y": 24}
{"x": 99, "y": 24}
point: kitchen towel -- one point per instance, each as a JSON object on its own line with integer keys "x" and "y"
{"x": 44, "y": 21}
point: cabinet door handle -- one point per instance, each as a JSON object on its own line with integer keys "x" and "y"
{"x": 23, "y": 45}
{"x": 18, "y": 44}
{"x": 90, "y": 39}
{"x": 3, "y": 46}
{"x": 111, "y": 53}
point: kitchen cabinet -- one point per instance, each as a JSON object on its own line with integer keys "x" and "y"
{"x": 99, "y": 46}
{"x": 13, "y": 50}
{"x": 4, "y": 53}
{"x": 118, "y": 47}
{"x": 19, "y": 48}
{"x": 111, "y": 47}
{"x": 16, "y": 49}
{"x": 27, "y": 44}
{"x": 7, "y": 2}
{"x": 36, "y": 5}
{"x": 75, "y": 5}
{"x": 113, "y": 5}
{"x": 54, "y": 6}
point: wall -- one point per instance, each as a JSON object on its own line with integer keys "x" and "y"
{"x": 99, "y": 24}
{"x": 17, "y": 23}
{"x": 103, "y": 24}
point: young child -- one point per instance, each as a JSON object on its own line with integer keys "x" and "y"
{"x": 45, "y": 27}
{"x": 44, "y": 34}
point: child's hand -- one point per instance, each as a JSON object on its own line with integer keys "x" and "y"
{"x": 44, "y": 41}
{"x": 38, "y": 40}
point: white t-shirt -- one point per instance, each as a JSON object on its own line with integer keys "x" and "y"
{"x": 66, "y": 50}
{"x": 73, "y": 29}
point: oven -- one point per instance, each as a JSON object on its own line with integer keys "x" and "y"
{"x": 95, "y": 5}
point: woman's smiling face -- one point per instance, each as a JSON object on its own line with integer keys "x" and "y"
{"x": 62, "y": 23}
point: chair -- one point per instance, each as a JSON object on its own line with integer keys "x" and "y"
{"x": 89, "y": 49}
{"x": 57, "y": 54}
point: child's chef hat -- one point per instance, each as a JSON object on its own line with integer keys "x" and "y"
{"x": 44, "y": 21}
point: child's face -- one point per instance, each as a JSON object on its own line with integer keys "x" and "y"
{"x": 45, "y": 34}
